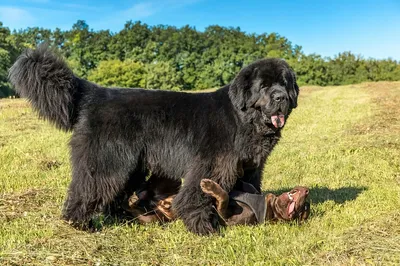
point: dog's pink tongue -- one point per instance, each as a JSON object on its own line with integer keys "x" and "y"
{"x": 291, "y": 207}
{"x": 278, "y": 120}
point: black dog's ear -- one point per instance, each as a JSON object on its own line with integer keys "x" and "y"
{"x": 290, "y": 79}
{"x": 240, "y": 86}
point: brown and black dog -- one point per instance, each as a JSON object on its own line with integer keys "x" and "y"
{"x": 243, "y": 205}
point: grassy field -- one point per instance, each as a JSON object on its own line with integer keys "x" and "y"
{"x": 343, "y": 142}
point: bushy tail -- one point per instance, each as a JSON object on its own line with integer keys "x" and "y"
{"x": 45, "y": 79}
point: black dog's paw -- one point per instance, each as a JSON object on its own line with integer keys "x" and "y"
{"x": 93, "y": 225}
{"x": 204, "y": 227}
{"x": 82, "y": 226}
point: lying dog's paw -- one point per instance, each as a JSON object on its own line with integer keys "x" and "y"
{"x": 165, "y": 204}
{"x": 133, "y": 200}
{"x": 207, "y": 185}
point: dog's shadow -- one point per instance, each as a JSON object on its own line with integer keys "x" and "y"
{"x": 321, "y": 194}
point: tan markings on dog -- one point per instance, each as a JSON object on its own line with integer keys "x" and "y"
{"x": 214, "y": 190}
{"x": 133, "y": 200}
{"x": 165, "y": 207}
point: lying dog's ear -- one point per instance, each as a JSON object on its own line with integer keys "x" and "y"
{"x": 290, "y": 80}
{"x": 239, "y": 90}
{"x": 270, "y": 199}
{"x": 305, "y": 212}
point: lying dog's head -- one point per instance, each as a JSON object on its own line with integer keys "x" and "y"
{"x": 289, "y": 205}
{"x": 266, "y": 91}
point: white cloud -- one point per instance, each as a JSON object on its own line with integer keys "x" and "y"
{"x": 15, "y": 17}
{"x": 141, "y": 10}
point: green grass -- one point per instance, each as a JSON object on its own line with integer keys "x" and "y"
{"x": 343, "y": 142}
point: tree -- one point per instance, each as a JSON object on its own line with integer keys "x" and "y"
{"x": 115, "y": 73}
{"x": 85, "y": 48}
{"x": 161, "y": 75}
{"x": 134, "y": 35}
{"x": 311, "y": 69}
{"x": 7, "y": 54}
{"x": 5, "y": 89}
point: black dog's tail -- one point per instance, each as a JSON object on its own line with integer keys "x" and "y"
{"x": 45, "y": 79}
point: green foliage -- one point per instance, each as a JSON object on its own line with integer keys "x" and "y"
{"x": 312, "y": 69}
{"x": 193, "y": 60}
{"x": 7, "y": 54}
{"x": 4, "y": 65}
{"x": 126, "y": 74}
{"x": 161, "y": 75}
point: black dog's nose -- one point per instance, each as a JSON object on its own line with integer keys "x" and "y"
{"x": 278, "y": 97}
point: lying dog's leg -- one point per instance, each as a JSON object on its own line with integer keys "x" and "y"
{"x": 221, "y": 196}
{"x": 165, "y": 207}
{"x": 135, "y": 182}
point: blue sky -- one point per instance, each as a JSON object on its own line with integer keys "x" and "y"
{"x": 369, "y": 28}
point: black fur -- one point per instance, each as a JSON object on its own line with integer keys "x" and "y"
{"x": 119, "y": 135}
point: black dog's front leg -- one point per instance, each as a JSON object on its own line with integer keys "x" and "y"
{"x": 253, "y": 176}
{"x": 195, "y": 208}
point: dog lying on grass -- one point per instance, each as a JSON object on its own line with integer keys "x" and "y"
{"x": 244, "y": 205}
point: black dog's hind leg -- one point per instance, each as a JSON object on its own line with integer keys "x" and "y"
{"x": 90, "y": 193}
{"x": 100, "y": 173}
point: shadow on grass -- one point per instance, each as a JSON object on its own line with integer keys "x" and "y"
{"x": 322, "y": 194}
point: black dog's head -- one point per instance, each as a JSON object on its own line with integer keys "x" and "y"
{"x": 267, "y": 89}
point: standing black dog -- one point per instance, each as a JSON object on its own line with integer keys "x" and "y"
{"x": 119, "y": 135}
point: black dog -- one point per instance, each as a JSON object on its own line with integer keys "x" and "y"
{"x": 119, "y": 135}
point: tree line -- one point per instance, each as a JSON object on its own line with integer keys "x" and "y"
{"x": 171, "y": 58}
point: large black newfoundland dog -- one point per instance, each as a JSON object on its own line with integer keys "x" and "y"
{"x": 120, "y": 136}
